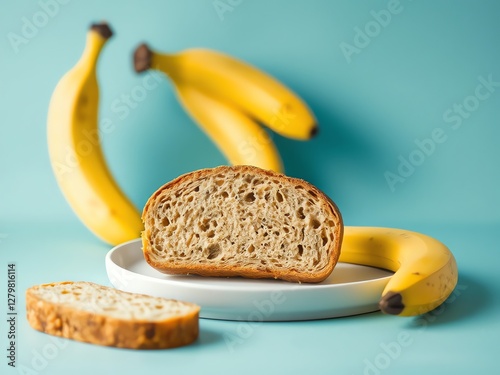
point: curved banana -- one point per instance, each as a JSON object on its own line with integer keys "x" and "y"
{"x": 237, "y": 83}
{"x": 237, "y": 136}
{"x": 425, "y": 269}
{"x": 75, "y": 150}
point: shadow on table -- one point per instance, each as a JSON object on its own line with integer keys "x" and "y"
{"x": 208, "y": 336}
{"x": 469, "y": 299}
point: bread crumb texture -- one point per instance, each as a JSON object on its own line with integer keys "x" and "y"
{"x": 243, "y": 218}
{"x": 114, "y": 303}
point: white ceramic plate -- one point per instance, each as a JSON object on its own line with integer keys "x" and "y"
{"x": 350, "y": 289}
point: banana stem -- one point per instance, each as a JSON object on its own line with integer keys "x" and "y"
{"x": 142, "y": 58}
{"x": 97, "y": 36}
{"x": 145, "y": 59}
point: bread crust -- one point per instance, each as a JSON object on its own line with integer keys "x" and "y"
{"x": 221, "y": 270}
{"x": 68, "y": 322}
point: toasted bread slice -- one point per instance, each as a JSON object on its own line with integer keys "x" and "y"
{"x": 101, "y": 315}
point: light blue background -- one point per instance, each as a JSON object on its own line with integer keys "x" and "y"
{"x": 372, "y": 110}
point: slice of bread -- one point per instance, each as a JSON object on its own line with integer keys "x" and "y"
{"x": 242, "y": 221}
{"x": 101, "y": 315}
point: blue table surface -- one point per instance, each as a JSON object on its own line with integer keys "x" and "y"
{"x": 461, "y": 337}
{"x": 379, "y": 100}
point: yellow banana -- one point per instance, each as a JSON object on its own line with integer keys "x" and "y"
{"x": 236, "y": 135}
{"x": 75, "y": 150}
{"x": 236, "y": 83}
{"x": 425, "y": 269}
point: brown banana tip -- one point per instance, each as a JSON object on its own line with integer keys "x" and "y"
{"x": 391, "y": 303}
{"x": 314, "y": 131}
{"x": 102, "y": 29}
{"x": 142, "y": 58}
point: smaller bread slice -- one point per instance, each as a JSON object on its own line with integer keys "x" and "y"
{"x": 97, "y": 314}
{"x": 242, "y": 221}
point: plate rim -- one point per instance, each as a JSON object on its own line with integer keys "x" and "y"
{"x": 247, "y": 288}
